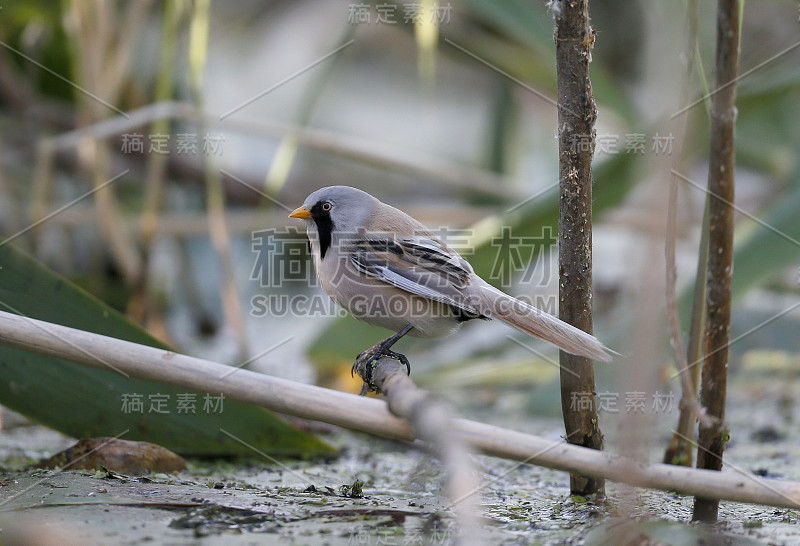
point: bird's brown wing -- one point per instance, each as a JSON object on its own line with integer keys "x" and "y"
{"x": 429, "y": 268}
{"x": 417, "y": 265}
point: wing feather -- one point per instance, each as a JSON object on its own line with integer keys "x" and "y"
{"x": 417, "y": 265}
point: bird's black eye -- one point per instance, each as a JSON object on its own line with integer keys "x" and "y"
{"x": 326, "y": 206}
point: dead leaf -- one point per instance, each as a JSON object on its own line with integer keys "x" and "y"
{"x": 122, "y": 456}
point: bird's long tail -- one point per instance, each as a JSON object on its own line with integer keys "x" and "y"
{"x": 544, "y": 326}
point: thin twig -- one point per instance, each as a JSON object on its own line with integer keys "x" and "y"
{"x": 91, "y": 30}
{"x": 143, "y": 306}
{"x": 215, "y": 195}
{"x": 42, "y": 184}
{"x": 432, "y": 422}
{"x": 721, "y": 167}
{"x": 679, "y": 451}
{"x": 362, "y": 150}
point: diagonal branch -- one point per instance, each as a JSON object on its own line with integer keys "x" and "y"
{"x": 433, "y": 422}
{"x": 374, "y": 417}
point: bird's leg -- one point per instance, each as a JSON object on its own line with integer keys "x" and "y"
{"x": 380, "y": 349}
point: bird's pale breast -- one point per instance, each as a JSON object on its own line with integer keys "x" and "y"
{"x": 379, "y": 304}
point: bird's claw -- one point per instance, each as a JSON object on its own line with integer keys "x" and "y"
{"x": 372, "y": 355}
{"x": 371, "y": 352}
{"x": 401, "y": 358}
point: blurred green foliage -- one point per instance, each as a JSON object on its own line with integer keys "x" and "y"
{"x": 86, "y": 402}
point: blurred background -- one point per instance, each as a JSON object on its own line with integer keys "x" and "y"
{"x": 149, "y": 152}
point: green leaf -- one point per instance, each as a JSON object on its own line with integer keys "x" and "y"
{"x": 774, "y": 241}
{"x": 613, "y": 179}
{"x": 83, "y": 402}
{"x": 530, "y": 24}
{"x": 504, "y": 125}
{"x": 518, "y": 40}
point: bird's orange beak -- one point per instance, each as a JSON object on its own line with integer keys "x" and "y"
{"x": 300, "y": 212}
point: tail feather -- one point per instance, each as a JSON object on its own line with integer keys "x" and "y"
{"x": 537, "y": 323}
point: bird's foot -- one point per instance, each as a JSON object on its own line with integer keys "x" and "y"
{"x": 367, "y": 360}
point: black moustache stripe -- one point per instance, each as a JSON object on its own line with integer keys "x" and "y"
{"x": 324, "y": 227}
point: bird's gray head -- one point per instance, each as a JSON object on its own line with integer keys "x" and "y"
{"x": 335, "y": 210}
